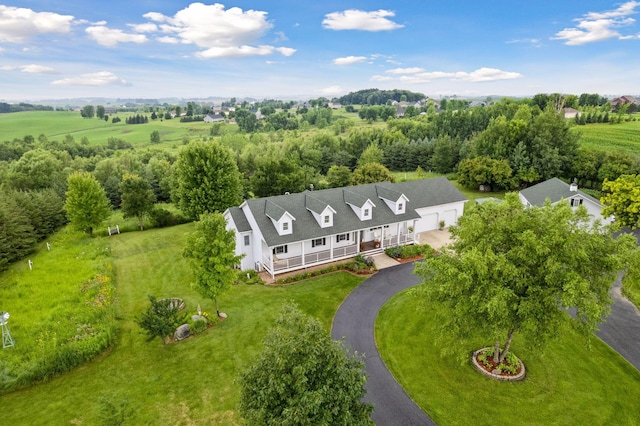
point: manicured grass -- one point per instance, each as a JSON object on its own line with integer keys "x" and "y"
{"x": 566, "y": 384}
{"x": 624, "y": 137}
{"x": 191, "y": 382}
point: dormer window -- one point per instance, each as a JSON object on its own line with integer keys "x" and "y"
{"x": 285, "y": 226}
{"x": 400, "y": 207}
{"x": 366, "y": 213}
{"x": 327, "y": 219}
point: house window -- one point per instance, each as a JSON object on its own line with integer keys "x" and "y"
{"x": 327, "y": 219}
{"x": 280, "y": 249}
{"x": 246, "y": 240}
{"x": 575, "y": 202}
{"x": 342, "y": 237}
{"x": 366, "y": 212}
{"x": 285, "y": 226}
{"x": 318, "y": 242}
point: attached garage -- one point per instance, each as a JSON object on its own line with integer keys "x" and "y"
{"x": 428, "y": 222}
{"x": 450, "y": 217}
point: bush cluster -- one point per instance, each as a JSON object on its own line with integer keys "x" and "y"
{"x": 359, "y": 265}
{"x": 406, "y": 252}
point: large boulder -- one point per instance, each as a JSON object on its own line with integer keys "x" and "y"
{"x": 182, "y": 332}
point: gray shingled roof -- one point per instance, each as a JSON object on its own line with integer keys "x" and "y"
{"x": 240, "y": 220}
{"x": 315, "y": 205}
{"x": 554, "y": 189}
{"x": 388, "y": 193}
{"x": 422, "y": 193}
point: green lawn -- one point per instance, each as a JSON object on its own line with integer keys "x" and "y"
{"x": 624, "y": 137}
{"x": 192, "y": 382}
{"x": 566, "y": 385}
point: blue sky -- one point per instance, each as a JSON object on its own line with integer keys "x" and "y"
{"x": 302, "y": 49}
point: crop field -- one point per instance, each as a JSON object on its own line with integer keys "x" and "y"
{"x": 624, "y": 137}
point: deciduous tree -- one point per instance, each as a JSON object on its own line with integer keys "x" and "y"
{"x": 621, "y": 198}
{"x": 87, "y": 205}
{"x": 210, "y": 251}
{"x": 515, "y": 269}
{"x": 207, "y": 179}
{"x": 371, "y": 173}
{"x": 137, "y": 198}
{"x": 303, "y": 377}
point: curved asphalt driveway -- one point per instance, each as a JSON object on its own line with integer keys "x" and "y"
{"x": 355, "y": 321}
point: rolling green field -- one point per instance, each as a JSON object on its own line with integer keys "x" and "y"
{"x": 191, "y": 382}
{"x": 57, "y": 124}
{"x": 624, "y": 137}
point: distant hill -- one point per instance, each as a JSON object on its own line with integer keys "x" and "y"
{"x": 379, "y": 97}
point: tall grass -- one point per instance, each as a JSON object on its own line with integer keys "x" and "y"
{"x": 62, "y": 311}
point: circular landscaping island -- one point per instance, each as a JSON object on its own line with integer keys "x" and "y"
{"x": 511, "y": 369}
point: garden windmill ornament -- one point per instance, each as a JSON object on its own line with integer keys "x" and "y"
{"x": 7, "y": 340}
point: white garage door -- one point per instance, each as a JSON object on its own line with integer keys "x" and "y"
{"x": 450, "y": 217}
{"x": 427, "y": 223}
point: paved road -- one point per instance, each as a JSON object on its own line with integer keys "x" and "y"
{"x": 621, "y": 330}
{"x": 355, "y": 321}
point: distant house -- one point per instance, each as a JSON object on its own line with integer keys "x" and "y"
{"x": 289, "y": 232}
{"x": 334, "y": 105}
{"x": 400, "y": 112}
{"x": 571, "y": 113}
{"x": 557, "y": 191}
{"x": 623, "y": 100}
{"x": 213, "y": 118}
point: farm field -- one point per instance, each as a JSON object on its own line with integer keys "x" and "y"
{"x": 191, "y": 382}
{"x": 57, "y": 124}
{"x": 624, "y": 137}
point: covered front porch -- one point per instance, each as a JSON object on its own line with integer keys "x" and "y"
{"x": 314, "y": 252}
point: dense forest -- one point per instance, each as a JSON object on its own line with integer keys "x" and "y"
{"x": 379, "y": 97}
{"x": 505, "y": 146}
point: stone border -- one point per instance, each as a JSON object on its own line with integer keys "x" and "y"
{"x": 481, "y": 369}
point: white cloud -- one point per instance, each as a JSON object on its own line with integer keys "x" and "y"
{"x": 220, "y": 32}
{"x": 381, "y": 78}
{"x": 19, "y": 24}
{"x": 487, "y": 74}
{"x": 480, "y": 75}
{"x": 144, "y": 28}
{"x": 332, "y": 90}
{"x": 32, "y": 68}
{"x": 354, "y": 19}
{"x": 240, "y": 51}
{"x": 102, "y": 78}
{"x": 535, "y": 42}
{"x": 168, "y": 40}
{"x": 37, "y": 69}
{"x": 109, "y": 37}
{"x": 348, "y": 60}
{"x": 598, "y": 26}
{"x": 411, "y": 70}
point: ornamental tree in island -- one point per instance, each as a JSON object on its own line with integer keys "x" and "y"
{"x": 515, "y": 269}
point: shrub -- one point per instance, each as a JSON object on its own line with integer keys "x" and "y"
{"x": 161, "y": 218}
{"x": 198, "y": 326}
{"x": 160, "y": 319}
